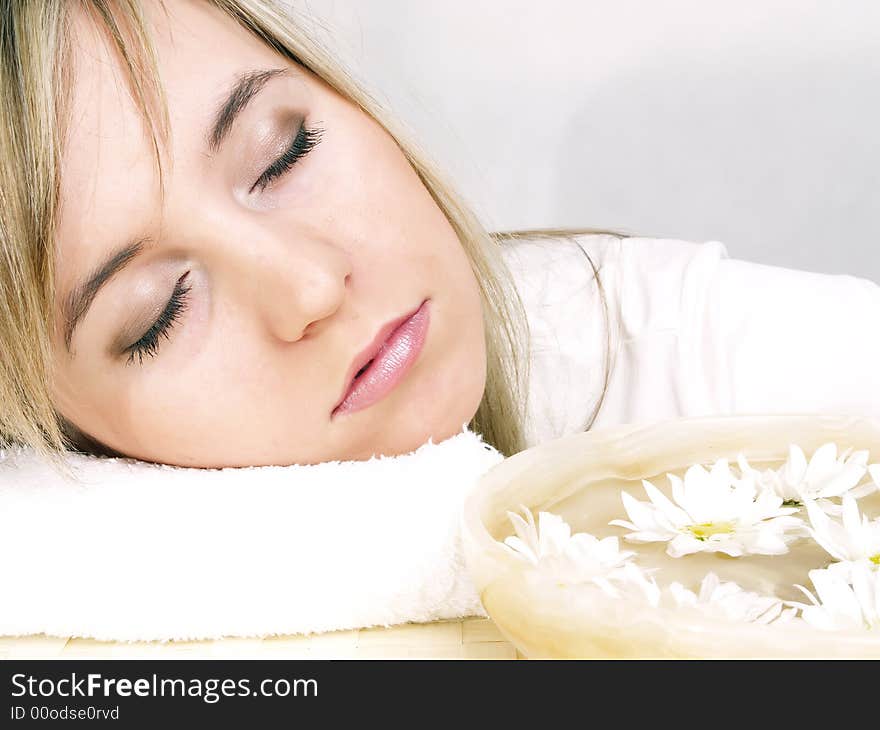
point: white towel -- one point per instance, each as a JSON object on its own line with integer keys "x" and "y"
{"x": 151, "y": 552}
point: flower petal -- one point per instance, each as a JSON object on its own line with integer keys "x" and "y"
{"x": 822, "y": 463}
{"x": 837, "y": 597}
{"x": 520, "y": 549}
{"x": 844, "y": 480}
{"x": 640, "y": 513}
{"x": 795, "y": 466}
{"x": 826, "y": 532}
{"x": 683, "y": 545}
{"x": 526, "y": 531}
{"x": 674, "y": 515}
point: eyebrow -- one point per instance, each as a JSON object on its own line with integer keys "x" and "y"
{"x": 245, "y": 88}
{"x": 80, "y": 299}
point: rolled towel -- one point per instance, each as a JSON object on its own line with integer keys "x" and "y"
{"x": 140, "y": 551}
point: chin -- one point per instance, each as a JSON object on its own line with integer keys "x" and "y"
{"x": 397, "y": 444}
{"x": 412, "y": 429}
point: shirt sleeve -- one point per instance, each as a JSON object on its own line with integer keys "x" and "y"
{"x": 699, "y": 333}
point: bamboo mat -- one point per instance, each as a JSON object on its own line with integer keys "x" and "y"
{"x": 472, "y": 638}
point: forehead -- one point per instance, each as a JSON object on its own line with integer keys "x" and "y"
{"x": 109, "y": 180}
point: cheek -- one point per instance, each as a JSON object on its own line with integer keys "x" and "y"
{"x": 230, "y": 399}
{"x": 236, "y": 414}
{"x": 358, "y": 168}
{"x": 235, "y": 389}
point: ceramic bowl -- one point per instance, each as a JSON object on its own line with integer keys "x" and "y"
{"x": 579, "y": 477}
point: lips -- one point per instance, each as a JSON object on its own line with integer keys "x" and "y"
{"x": 369, "y": 353}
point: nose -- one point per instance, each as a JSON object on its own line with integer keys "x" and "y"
{"x": 292, "y": 281}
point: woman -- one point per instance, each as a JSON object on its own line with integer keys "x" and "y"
{"x": 219, "y": 251}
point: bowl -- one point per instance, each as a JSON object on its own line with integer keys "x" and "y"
{"x": 579, "y": 477}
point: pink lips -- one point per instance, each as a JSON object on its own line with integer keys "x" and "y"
{"x": 387, "y": 359}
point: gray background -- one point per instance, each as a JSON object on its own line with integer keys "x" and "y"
{"x": 753, "y": 122}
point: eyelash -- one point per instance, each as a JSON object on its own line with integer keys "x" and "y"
{"x": 305, "y": 141}
{"x": 149, "y": 343}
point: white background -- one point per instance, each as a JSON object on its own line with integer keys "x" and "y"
{"x": 754, "y": 122}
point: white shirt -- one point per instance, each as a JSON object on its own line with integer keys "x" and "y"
{"x": 691, "y": 331}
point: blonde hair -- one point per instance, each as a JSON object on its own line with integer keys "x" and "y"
{"x": 33, "y": 89}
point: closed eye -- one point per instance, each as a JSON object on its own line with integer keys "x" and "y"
{"x": 149, "y": 343}
{"x": 305, "y": 141}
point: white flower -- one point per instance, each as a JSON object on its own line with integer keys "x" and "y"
{"x": 531, "y": 541}
{"x": 577, "y": 558}
{"x": 856, "y": 538}
{"x": 730, "y": 602}
{"x": 826, "y": 475}
{"x": 712, "y": 512}
{"x": 844, "y": 602}
{"x": 633, "y": 582}
{"x": 571, "y": 558}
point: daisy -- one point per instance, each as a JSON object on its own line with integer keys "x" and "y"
{"x": 633, "y": 583}
{"x": 549, "y": 537}
{"x": 851, "y": 602}
{"x": 855, "y": 539}
{"x": 582, "y": 557}
{"x": 825, "y": 475}
{"x": 712, "y": 512}
{"x": 730, "y": 602}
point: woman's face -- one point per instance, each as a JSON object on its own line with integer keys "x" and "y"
{"x": 271, "y": 278}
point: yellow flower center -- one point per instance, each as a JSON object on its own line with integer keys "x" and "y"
{"x": 875, "y": 559}
{"x": 705, "y": 530}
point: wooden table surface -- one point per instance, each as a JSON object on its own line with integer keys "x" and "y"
{"x": 471, "y": 638}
